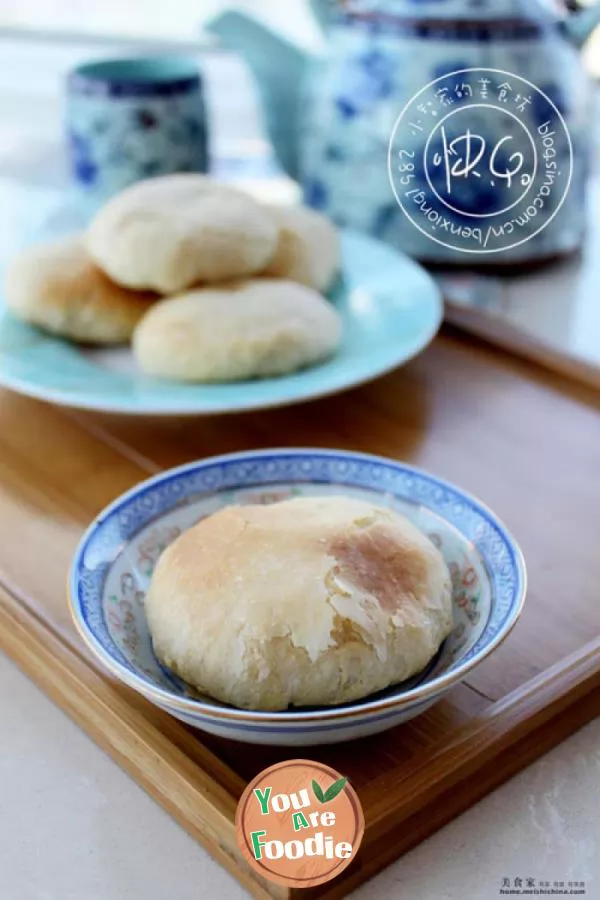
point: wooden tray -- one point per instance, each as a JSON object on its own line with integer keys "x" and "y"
{"x": 528, "y": 443}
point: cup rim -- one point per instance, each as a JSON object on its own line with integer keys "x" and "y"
{"x": 153, "y": 74}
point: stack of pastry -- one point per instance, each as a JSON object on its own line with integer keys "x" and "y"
{"x": 207, "y": 283}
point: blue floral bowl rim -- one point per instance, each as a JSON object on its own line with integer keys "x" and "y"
{"x": 360, "y": 708}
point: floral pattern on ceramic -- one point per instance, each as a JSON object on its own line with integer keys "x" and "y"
{"x": 114, "y": 564}
{"x": 121, "y": 129}
{"x": 153, "y": 544}
{"x": 380, "y": 54}
{"x": 373, "y": 72}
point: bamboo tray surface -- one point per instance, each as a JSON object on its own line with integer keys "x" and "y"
{"x": 526, "y": 442}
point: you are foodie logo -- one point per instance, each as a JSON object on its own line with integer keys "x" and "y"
{"x": 299, "y": 823}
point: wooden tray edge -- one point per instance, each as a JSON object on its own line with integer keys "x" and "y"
{"x": 507, "y": 337}
{"x": 495, "y": 745}
{"x": 187, "y": 792}
{"x": 407, "y": 833}
{"x": 528, "y": 722}
{"x": 495, "y": 729}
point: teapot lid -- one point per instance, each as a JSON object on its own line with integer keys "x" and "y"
{"x": 473, "y": 10}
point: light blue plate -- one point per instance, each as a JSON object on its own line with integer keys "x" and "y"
{"x": 391, "y": 310}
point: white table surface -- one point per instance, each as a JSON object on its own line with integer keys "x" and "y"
{"x": 73, "y": 826}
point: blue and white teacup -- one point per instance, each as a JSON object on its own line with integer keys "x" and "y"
{"x": 130, "y": 119}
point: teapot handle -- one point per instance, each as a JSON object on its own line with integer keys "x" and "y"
{"x": 323, "y": 11}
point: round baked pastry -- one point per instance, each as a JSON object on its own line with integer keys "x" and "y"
{"x": 169, "y": 233}
{"x": 57, "y": 287}
{"x": 308, "y": 250}
{"x": 248, "y": 329}
{"x": 311, "y": 601}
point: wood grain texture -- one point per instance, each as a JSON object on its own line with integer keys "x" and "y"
{"x": 527, "y": 444}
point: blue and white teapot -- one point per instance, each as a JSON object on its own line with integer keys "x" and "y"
{"x": 458, "y": 130}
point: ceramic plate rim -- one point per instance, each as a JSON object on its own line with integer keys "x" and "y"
{"x": 165, "y": 698}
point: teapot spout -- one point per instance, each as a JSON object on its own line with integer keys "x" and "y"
{"x": 579, "y": 25}
{"x": 279, "y": 68}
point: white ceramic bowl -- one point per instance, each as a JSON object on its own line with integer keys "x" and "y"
{"x": 115, "y": 559}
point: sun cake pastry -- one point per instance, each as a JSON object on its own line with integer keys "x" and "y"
{"x": 311, "y": 601}
{"x": 308, "y": 250}
{"x": 169, "y": 233}
{"x": 207, "y": 284}
{"x": 57, "y": 287}
{"x": 249, "y": 329}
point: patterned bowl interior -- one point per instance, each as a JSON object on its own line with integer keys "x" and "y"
{"x": 116, "y": 559}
